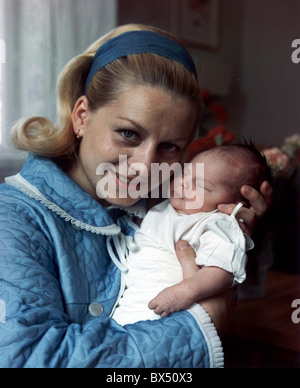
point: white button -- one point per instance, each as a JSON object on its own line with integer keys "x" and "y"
{"x": 95, "y": 309}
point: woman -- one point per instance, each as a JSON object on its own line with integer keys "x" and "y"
{"x": 135, "y": 96}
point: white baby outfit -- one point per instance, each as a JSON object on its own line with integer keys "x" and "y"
{"x": 152, "y": 265}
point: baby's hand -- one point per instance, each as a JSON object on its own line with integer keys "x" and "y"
{"x": 169, "y": 301}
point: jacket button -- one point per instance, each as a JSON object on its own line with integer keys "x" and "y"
{"x": 95, "y": 309}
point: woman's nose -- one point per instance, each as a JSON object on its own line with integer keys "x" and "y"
{"x": 141, "y": 159}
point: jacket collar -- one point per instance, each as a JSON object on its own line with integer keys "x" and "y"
{"x": 42, "y": 179}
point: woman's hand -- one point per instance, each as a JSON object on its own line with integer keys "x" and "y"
{"x": 259, "y": 204}
{"x": 218, "y": 307}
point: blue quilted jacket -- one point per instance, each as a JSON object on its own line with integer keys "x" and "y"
{"x": 58, "y": 285}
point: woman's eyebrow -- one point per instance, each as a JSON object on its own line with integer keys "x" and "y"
{"x": 141, "y": 128}
{"x": 134, "y": 123}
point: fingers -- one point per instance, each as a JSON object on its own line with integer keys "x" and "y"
{"x": 152, "y": 304}
{"x": 259, "y": 204}
{"x": 159, "y": 309}
{"x": 267, "y": 192}
{"x": 226, "y": 208}
{"x": 184, "y": 250}
{"x": 167, "y": 301}
{"x": 247, "y": 220}
{"x": 259, "y": 201}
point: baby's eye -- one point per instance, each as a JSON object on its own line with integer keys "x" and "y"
{"x": 201, "y": 185}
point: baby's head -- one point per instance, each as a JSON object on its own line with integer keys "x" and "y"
{"x": 225, "y": 170}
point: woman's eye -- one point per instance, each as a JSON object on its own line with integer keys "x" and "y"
{"x": 128, "y": 134}
{"x": 170, "y": 147}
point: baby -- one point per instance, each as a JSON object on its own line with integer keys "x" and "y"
{"x": 155, "y": 283}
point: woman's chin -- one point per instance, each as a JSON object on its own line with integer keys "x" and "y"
{"x": 119, "y": 202}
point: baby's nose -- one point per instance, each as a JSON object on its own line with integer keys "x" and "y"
{"x": 185, "y": 182}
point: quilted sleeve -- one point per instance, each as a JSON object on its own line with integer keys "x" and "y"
{"x": 35, "y": 331}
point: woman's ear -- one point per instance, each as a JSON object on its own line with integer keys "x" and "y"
{"x": 79, "y": 116}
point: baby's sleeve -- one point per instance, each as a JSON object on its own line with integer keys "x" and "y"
{"x": 223, "y": 244}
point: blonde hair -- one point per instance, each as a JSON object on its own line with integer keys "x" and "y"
{"x": 40, "y": 136}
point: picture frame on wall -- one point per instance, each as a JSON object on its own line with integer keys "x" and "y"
{"x": 197, "y": 22}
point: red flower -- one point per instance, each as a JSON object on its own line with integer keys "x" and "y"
{"x": 215, "y": 137}
{"x": 220, "y": 133}
{"x": 199, "y": 145}
{"x": 219, "y": 112}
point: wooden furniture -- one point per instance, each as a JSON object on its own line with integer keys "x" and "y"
{"x": 261, "y": 332}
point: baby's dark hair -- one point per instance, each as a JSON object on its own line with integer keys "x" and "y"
{"x": 244, "y": 151}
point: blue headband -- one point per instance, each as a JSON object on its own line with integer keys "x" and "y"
{"x": 139, "y": 42}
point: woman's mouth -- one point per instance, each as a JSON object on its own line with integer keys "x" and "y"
{"x": 123, "y": 179}
{"x": 132, "y": 185}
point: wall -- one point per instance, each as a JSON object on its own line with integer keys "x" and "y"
{"x": 271, "y": 82}
{"x": 41, "y": 37}
{"x": 212, "y": 63}
{"x": 255, "y": 43}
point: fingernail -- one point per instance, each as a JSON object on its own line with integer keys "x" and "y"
{"x": 269, "y": 188}
{"x": 247, "y": 190}
{"x": 183, "y": 245}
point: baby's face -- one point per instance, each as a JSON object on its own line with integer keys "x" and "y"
{"x": 201, "y": 189}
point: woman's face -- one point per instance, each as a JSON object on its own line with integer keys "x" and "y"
{"x": 144, "y": 125}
